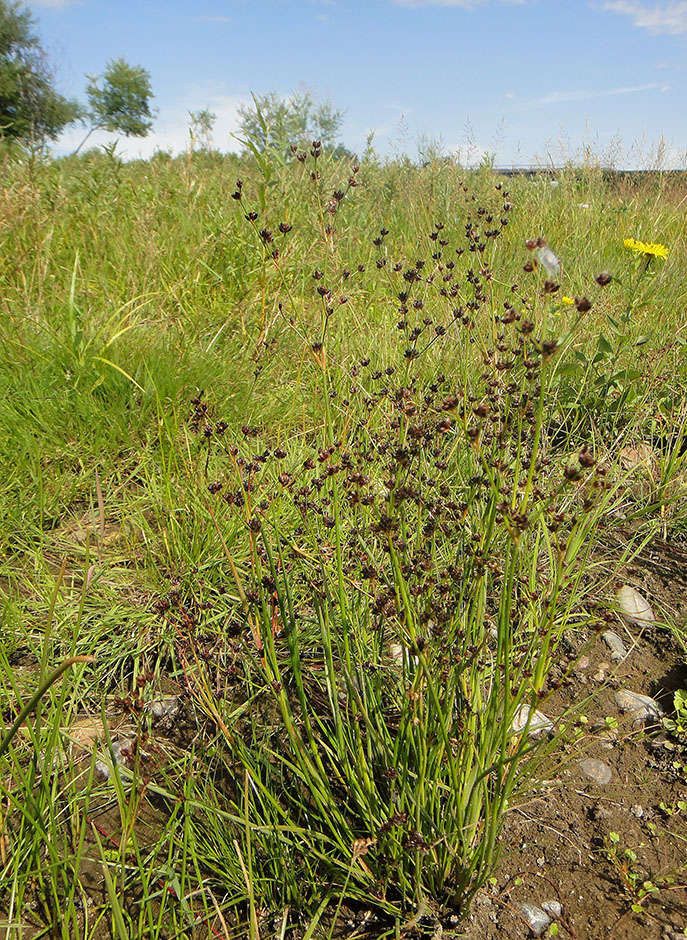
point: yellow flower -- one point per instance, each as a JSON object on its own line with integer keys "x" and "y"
{"x": 568, "y": 301}
{"x": 651, "y": 249}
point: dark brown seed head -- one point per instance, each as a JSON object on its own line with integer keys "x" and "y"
{"x": 586, "y": 458}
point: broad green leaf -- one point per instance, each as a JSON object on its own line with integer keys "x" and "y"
{"x": 603, "y": 345}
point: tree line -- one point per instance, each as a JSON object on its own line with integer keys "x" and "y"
{"x": 33, "y": 112}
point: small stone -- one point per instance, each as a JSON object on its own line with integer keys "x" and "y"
{"x": 608, "y": 739}
{"x": 162, "y": 708}
{"x": 634, "y": 609}
{"x": 553, "y": 908}
{"x": 615, "y": 645}
{"x": 103, "y": 768}
{"x": 629, "y": 701}
{"x": 600, "y": 676}
{"x": 538, "y": 919}
{"x": 539, "y": 723}
{"x": 596, "y": 770}
{"x": 643, "y": 708}
{"x": 636, "y": 455}
{"x": 637, "y": 810}
{"x": 584, "y": 662}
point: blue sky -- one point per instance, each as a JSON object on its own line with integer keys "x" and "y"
{"x": 529, "y": 81}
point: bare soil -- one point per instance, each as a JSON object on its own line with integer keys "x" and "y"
{"x": 568, "y": 842}
{"x": 558, "y": 845}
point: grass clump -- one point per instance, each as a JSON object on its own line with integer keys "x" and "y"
{"x": 329, "y": 464}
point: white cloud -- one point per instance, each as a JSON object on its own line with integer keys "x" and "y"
{"x": 171, "y": 128}
{"x": 465, "y": 4}
{"x": 657, "y": 18}
{"x": 583, "y": 94}
{"x": 54, "y": 4}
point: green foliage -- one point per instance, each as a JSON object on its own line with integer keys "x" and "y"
{"x": 634, "y": 881}
{"x": 200, "y": 129}
{"x": 607, "y": 372}
{"x": 119, "y": 100}
{"x": 31, "y": 110}
{"x": 276, "y": 123}
{"x": 342, "y": 745}
{"x": 678, "y": 725}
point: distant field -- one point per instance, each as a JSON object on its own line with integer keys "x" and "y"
{"x": 322, "y": 466}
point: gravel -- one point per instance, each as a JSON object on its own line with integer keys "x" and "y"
{"x": 538, "y": 919}
{"x": 596, "y": 770}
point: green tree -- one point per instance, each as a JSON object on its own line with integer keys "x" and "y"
{"x": 273, "y": 122}
{"x": 200, "y": 128}
{"x": 119, "y": 100}
{"x": 31, "y": 111}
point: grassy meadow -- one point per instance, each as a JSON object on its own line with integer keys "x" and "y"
{"x": 302, "y": 480}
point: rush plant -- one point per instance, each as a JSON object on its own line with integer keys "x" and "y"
{"x": 412, "y": 561}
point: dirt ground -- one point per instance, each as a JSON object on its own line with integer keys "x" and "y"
{"x": 569, "y": 842}
{"x": 613, "y": 855}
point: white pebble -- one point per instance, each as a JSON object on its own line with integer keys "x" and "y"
{"x": 538, "y": 724}
{"x": 538, "y": 919}
{"x": 615, "y": 645}
{"x": 634, "y": 609}
{"x": 553, "y": 908}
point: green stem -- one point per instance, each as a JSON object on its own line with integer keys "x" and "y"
{"x": 38, "y": 695}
